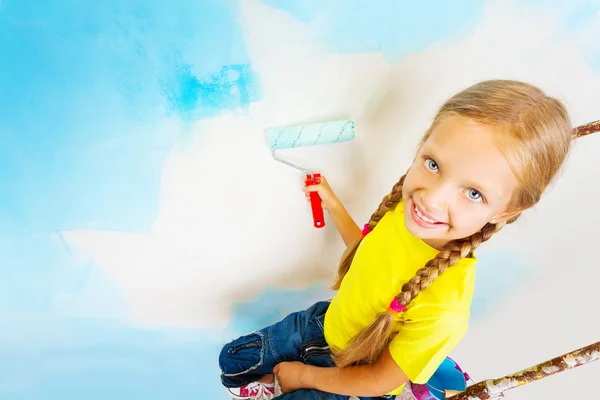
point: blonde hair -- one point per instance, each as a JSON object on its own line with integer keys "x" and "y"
{"x": 539, "y": 135}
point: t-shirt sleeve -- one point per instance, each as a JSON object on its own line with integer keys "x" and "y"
{"x": 420, "y": 347}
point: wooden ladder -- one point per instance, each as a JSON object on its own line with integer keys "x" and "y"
{"x": 494, "y": 389}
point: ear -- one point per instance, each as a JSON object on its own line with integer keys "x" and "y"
{"x": 505, "y": 216}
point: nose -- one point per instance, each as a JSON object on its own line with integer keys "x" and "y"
{"x": 437, "y": 197}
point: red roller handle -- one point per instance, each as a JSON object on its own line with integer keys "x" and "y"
{"x": 315, "y": 201}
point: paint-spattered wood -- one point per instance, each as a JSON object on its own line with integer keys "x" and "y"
{"x": 587, "y": 129}
{"x": 493, "y": 389}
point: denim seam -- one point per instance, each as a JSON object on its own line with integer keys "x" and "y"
{"x": 269, "y": 342}
{"x": 262, "y": 356}
{"x": 321, "y": 325}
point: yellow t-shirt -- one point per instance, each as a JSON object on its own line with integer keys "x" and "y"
{"x": 434, "y": 321}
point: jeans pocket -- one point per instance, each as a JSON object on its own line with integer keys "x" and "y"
{"x": 243, "y": 355}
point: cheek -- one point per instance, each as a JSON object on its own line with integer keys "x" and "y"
{"x": 414, "y": 179}
{"x": 469, "y": 218}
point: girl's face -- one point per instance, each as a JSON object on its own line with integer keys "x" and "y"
{"x": 458, "y": 182}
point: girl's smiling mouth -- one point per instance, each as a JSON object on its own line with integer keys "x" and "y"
{"x": 423, "y": 219}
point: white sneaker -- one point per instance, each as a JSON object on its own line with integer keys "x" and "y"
{"x": 254, "y": 391}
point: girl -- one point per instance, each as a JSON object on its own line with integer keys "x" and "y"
{"x": 405, "y": 282}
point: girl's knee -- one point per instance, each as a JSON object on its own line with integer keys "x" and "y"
{"x": 243, "y": 355}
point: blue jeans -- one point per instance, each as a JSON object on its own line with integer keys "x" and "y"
{"x": 298, "y": 337}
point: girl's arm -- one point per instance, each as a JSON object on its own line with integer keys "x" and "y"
{"x": 370, "y": 380}
{"x": 348, "y": 229}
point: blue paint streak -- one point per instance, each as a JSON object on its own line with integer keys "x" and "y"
{"x": 499, "y": 275}
{"x": 273, "y": 305}
{"x": 99, "y": 360}
{"x": 230, "y": 89}
{"x": 578, "y": 16}
{"x": 392, "y": 27}
{"x": 586, "y": 14}
{"x": 397, "y": 28}
{"x": 83, "y": 86}
{"x": 39, "y": 275}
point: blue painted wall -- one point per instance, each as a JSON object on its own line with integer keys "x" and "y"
{"x": 92, "y": 98}
{"x": 83, "y": 89}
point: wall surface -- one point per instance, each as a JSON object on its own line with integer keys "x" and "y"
{"x": 143, "y": 222}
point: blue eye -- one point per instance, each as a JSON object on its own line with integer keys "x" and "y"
{"x": 474, "y": 195}
{"x": 431, "y": 165}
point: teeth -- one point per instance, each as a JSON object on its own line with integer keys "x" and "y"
{"x": 424, "y": 218}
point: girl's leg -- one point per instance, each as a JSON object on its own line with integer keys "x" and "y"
{"x": 448, "y": 376}
{"x": 249, "y": 358}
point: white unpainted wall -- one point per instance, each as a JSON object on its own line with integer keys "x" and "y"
{"x": 232, "y": 220}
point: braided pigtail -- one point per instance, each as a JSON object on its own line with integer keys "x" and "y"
{"x": 367, "y": 345}
{"x": 449, "y": 256}
{"x": 389, "y": 202}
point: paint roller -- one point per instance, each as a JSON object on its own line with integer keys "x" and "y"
{"x": 323, "y": 133}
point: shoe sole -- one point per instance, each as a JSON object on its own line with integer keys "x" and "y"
{"x": 236, "y": 397}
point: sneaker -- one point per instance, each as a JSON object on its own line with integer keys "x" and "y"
{"x": 254, "y": 391}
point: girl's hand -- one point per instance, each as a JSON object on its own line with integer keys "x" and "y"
{"x": 329, "y": 200}
{"x": 290, "y": 375}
